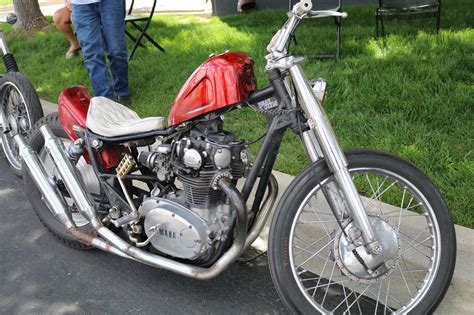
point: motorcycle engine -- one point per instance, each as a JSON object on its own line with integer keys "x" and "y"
{"x": 191, "y": 222}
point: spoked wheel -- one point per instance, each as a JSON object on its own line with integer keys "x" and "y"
{"x": 315, "y": 266}
{"x": 22, "y": 109}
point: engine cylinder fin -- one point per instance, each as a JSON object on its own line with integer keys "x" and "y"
{"x": 198, "y": 190}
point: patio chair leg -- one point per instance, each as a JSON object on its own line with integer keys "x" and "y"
{"x": 338, "y": 37}
{"x": 134, "y": 39}
{"x": 381, "y": 23}
{"x": 154, "y": 42}
{"x": 376, "y": 26}
{"x": 135, "y": 46}
{"x": 144, "y": 33}
{"x": 438, "y": 22}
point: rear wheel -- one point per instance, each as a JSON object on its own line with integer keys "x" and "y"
{"x": 314, "y": 267}
{"x": 22, "y": 109}
{"x": 36, "y": 141}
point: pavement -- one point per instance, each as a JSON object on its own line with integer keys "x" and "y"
{"x": 40, "y": 275}
{"x": 200, "y": 7}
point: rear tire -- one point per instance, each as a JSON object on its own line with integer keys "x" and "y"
{"x": 36, "y": 141}
{"x": 309, "y": 286}
{"x": 22, "y": 108}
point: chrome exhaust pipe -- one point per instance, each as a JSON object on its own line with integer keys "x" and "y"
{"x": 54, "y": 201}
{"x": 38, "y": 174}
{"x": 110, "y": 242}
{"x": 187, "y": 270}
{"x": 73, "y": 183}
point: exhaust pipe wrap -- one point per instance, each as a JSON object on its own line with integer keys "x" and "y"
{"x": 110, "y": 242}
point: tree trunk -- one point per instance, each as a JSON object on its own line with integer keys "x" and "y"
{"x": 29, "y": 15}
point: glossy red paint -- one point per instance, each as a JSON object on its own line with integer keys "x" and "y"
{"x": 73, "y": 105}
{"x": 222, "y": 80}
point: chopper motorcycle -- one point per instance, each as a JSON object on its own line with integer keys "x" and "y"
{"x": 360, "y": 231}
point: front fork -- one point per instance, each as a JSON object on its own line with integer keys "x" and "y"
{"x": 320, "y": 140}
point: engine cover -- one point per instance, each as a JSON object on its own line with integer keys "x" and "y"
{"x": 178, "y": 231}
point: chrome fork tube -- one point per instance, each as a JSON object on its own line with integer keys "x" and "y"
{"x": 3, "y": 120}
{"x": 333, "y": 154}
{"x": 330, "y": 190}
{"x": 3, "y": 44}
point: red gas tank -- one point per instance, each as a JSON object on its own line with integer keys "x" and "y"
{"x": 219, "y": 82}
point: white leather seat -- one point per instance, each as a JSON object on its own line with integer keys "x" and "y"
{"x": 111, "y": 119}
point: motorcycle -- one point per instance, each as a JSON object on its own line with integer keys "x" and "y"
{"x": 360, "y": 231}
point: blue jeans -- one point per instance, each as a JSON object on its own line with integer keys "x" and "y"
{"x": 100, "y": 28}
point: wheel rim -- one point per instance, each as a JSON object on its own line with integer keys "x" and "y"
{"x": 15, "y": 108}
{"x": 315, "y": 265}
{"x": 87, "y": 175}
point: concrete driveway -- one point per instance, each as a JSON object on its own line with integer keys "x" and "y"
{"x": 40, "y": 275}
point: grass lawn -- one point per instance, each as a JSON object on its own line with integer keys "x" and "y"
{"x": 6, "y": 3}
{"x": 411, "y": 94}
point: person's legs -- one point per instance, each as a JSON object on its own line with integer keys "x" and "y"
{"x": 113, "y": 30}
{"x": 62, "y": 20}
{"x": 86, "y": 18}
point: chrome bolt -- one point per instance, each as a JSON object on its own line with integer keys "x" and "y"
{"x": 377, "y": 249}
{"x": 96, "y": 143}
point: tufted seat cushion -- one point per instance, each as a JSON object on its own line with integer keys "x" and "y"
{"x": 111, "y": 119}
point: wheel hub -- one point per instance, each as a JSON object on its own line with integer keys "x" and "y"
{"x": 357, "y": 263}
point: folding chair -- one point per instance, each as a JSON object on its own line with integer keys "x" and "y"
{"x": 408, "y": 8}
{"x": 334, "y": 5}
{"x": 145, "y": 23}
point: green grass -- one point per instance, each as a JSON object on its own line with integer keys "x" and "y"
{"x": 411, "y": 94}
{"x": 6, "y": 3}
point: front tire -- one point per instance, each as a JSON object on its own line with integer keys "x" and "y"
{"x": 312, "y": 268}
{"x": 22, "y": 108}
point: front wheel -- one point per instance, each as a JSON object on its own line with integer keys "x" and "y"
{"x": 315, "y": 268}
{"x": 22, "y": 109}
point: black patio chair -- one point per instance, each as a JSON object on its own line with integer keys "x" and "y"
{"x": 406, "y": 8}
{"x": 140, "y": 23}
{"x": 326, "y": 5}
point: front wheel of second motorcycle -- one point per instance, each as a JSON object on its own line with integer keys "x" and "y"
{"x": 315, "y": 268}
{"x": 22, "y": 109}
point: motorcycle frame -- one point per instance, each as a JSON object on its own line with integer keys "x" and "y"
{"x": 266, "y": 155}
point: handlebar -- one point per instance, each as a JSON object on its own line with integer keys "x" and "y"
{"x": 279, "y": 44}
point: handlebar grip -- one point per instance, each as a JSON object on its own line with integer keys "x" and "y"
{"x": 326, "y": 13}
